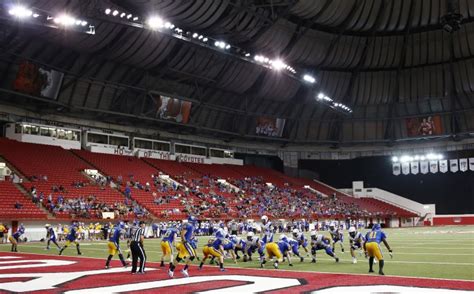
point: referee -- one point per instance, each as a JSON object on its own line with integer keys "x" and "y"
{"x": 136, "y": 246}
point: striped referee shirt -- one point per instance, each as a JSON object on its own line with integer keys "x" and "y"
{"x": 137, "y": 233}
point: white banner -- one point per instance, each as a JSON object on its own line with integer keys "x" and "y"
{"x": 405, "y": 168}
{"x": 396, "y": 168}
{"x": 463, "y": 166}
{"x": 433, "y": 166}
{"x": 471, "y": 163}
{"x": 424, "y": 167}
{"x": 414, "y": 167}
{"x": 453, "y": 165}
{"x": 443, "y": 166}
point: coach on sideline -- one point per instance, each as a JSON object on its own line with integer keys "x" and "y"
{"x": 136, "y": 246}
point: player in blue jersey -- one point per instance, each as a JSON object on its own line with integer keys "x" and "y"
{"x": 372, "y": 247}
{"x": 114, "y": 245}
{"x": 294, "y": 244}
{"x": 185, "y": 248}
{"x": 320, "y": 242}
{"x": 336, "y": 236}
{"x": 240, "y": 245}
{"x": 16, "y": 237}
{"x": 72, "y": 238}
{"x": 167, "y": 245}
{"x": 302, "y": 240}
{"x": 278, "y": 251}
{"x": 356, "y": 241}
{"x": 51, "y": 236}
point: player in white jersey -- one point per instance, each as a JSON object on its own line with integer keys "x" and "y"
{"x": 267, "y": 230}
{"x": 356, "y": 241}
{"x": 319, "y": 242}
{"x": 337, "y": 237}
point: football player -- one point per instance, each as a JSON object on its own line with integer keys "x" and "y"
{"x": 72, "y": 238}
{"x": 185, "y": 248}
{"x": 294, "y": 244}
{"x": 167, "y": 244}
{"x": 16, "y": 237}
{"x": 372, "y": 247}
{"x": 267, "y": 230}
{"x": 254, "y": 244}
{"x": 302, "y": 240}
{"x": 278, "y": 250}
{"x": 51, "y": 236}
{"x": 336, "y": 236}
{"x": 356, "y": 241}
{"x": 114, "y": 246}
{"x": 320, "y": 242}
{"x": 206, "y": 252}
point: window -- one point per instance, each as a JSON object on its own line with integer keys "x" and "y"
{"x": 161, "y": 146}
{"x": 18, "y": 128}
{"x": 198, "y": 151}
{"x": 217, "y": 153}
{"x": 118, "y": 141}
{"x": 228, "y": 154}
{"x": 47, "y": 132}
{"x": 31, "y": 130}
{"x": 143, "y": 144}
{"x": 182, "y": 149}
{"x": 96, "y": 138}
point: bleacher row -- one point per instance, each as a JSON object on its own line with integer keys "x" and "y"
{"x": 50, "y": 166}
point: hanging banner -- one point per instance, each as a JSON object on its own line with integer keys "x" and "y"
{"x": 424, "y": 167}
{"x": 396, "y": 168}
{"x": 424, "y": 126}
{"x": 433, "y": 166}
{"x": 453, "y": 165}
{"x": 414, "y": 167}
{"x": 37, "y": 80}
{"x": 268, "y": 126}
{"x": 463, "y": 166}
{"x": 405, "y": 168}
{"x": 443, "y": 166}
{"x": 471, "y": 163}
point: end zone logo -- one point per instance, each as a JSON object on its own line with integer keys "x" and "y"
{"x": 73, "y": 275}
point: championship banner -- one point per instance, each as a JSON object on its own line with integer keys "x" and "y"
{"x": 443, "y": 166}
{"x": 405, "y": 168}
{"x": 396, "y": 168}
{"x": 433, "y": 166}
{"x": 424, "y": 126}
{"x": 36, "y": 80}
{"x": 471, "y": 163}
{"x": 424, "y": 167}
{"x": 453, "y": 165}
{"x": 414, "y": 167}
{"x": 463, "y": 166}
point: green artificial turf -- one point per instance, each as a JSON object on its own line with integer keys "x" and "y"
{"x": 436, "y": 252}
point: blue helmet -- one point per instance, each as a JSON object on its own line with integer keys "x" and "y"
{"x": 376, "y": 227}
{"x": 121, "y": 225}
{"x": 192, "y": 219}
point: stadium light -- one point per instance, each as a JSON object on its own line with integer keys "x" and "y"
{"x": 122, "y": 15}
{"x": 108, "y": 11}
{"x": 115, "y": 13}
{"x": 35, "y": 15}
{"x": 20, "y": 11}
{"x": 205, "y": 39}
{"x": 395, "y": 159}
{"x": 135, "y": 18}
{"x": 321, "y": 96}
{"x": 129, "y": 16}
{"x": 155, "y": 22}
{"x": 247, "y": 54}
{"x": 195, "y": 35}
{"x": 278, "y": 64}
{"x": 308, "y": 78}
{"x": 65, "y": 20}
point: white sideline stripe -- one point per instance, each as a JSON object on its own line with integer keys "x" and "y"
{"x": 9, "y": 257}
{"x": 298, "y": 271}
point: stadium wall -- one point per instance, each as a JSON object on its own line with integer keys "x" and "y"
{"x": 453, "y": 219}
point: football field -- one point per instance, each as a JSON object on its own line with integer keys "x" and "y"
{"x": 434, "y": 252}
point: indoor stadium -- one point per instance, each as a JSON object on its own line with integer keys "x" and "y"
{"x": 237, "y": 146}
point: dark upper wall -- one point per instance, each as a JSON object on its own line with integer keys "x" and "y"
{"x": 453, "y": 193}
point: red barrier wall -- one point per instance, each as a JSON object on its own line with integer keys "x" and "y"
{"x": 461, "y": 219}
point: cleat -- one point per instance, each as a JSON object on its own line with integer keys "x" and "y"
{"x": 371, "y": 271}
{"x": 223, "y": 270}
{"x": 354, "y": 261}
{"x": 313, "y": 260}
{"x": 342, "y": 250}
{"x": 381, "y": 273}
{"x": 261, "y": 265}
{"x": 301, "y": 259}
{"x": 107, "y": 267}
{"x": 337, "y": 259}
{"x": 185, "y": 273}
{"x": 275, "y": 265}
{"x": 170, "y": 274}
{"x": 290, "y": 264}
